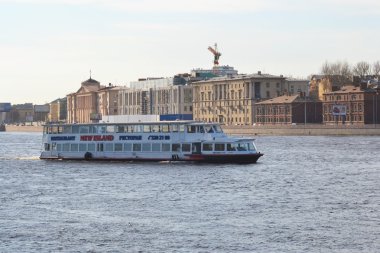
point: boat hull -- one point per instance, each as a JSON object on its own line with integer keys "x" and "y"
{"x": 198, "y": 158}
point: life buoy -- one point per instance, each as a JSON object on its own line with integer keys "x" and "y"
{"x": 87, "y": 156}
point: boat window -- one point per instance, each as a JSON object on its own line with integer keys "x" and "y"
{"x": 200, "y": 129}
{"x": 176, "y": 147}
{"x": 156, "y": 147}
{"x": 146, "y": 147}
{"x": 109, "y": 147}
{"x": 75, "y": 129}
{"x": 66, "y": 147}
{"x": 207, "y": 146}
{"x": 102, "y": 129}
{"x": 91, "y": 147}
{"x": 120, "y": 129}
{"x": 54, "y": 146}
{"x": 67, "y": 129}
{"x": 110, "y": 129}
{"x": 165, "y": 128}
{"x": 165, "y": 147}
{"x": 155, "y": 128}
{"x": 128, "y": 129}
{"x": 209, "y": 129}
{"x": 118, "y": 147}
{"x": 251, "y": 146}
{"x": 54, "y": 130}
{"x": 74, "y": 147}
{"x": 93, "y": 129}
{"x": 47, "y": 146}
{"x": 127, "y": 147}
{"x": 217, "y": 129}
{"x": 82, "y": 147}
{"x": 60, "y": 129}
{"x": 231, "y": 147}
{"x": 100, "y": 147}
{"x": 219, "y": 146}
{"x": 138, "y": 128}
{"x": 186, "y": 147}
{"x": 136, "y": 146}
{"x": 190, "y": 129}
{"x": 147, "y": 129}
{"x": 174, "y": 128}
{"x": 59, "y": 147}
{"x": 84, "y": 129}
{"x": 182, "y": 128}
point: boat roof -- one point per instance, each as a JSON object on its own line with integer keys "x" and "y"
{"x": 185, "y": 122}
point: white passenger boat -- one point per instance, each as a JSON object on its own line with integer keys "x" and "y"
{"x": 154, "y": 141}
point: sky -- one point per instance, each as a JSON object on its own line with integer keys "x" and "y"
{"x": 48, "y": 47}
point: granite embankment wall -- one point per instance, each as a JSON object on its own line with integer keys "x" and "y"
{"x": 265, "y": 130}
{"x": 14, "y": 128}
{"x": 303, "y": 130}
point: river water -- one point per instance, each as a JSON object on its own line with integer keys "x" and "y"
{"x": 306, "y": 194}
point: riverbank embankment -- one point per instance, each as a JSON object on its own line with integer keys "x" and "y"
{"x": 310, "y": 129}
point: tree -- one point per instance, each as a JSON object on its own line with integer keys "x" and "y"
{"x": 340, "y": 71}
{"x": 362, "y": 69}
{"x": 376, "y": 68}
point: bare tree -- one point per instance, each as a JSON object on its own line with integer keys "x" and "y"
{"x": 340, "y": 71}
{"x": 376, "y": 68}
{"x": 362, "y": 69}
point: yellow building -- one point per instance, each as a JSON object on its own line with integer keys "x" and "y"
{"x": 230, "y": 100}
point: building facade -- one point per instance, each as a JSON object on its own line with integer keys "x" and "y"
{"x": 231, "y": 100}
{"x": 82, "y": 105}
{"x": 351, "y": 105}
{"x": 294, "y": 109}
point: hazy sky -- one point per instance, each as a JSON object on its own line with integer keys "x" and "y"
{"x": 47, "y": 47}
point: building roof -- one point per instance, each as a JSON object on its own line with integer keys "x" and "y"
{"x": 90, "y": 81}
{"x": 280, "y": 100}
{"x": 346, "y": 89}
{"x": 258, "y": 75}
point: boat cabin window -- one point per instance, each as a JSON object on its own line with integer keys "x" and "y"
{"x": 176, "y": 147}
{"x": 174, "y": 128}
{"x": 147, "y": 147}
{"x": 136, "y": 146}
{"x": 82, "y": 147}
{"x": 127, "y": 147}
{"x": 75, "y": 129}
{"x": 209, "y": 129}
{"x": 47, "y": 146}
{"x": 156, "y": 147}
{"x": 74, "y": 147}
{"x": 191, "y": 129}
{"x": 165, "y": 147}
{"x": 109, "y": 147}
{"x": 239, "y": 146}
{"x": 165, "y": 128}
{"x": 100, "y": 147}
{"x": 67, "y": 129}
{"x": 147, "y": 128}
{"x": 186, "y": 147}
{"x": 217, "y": 129}
{"x": 207, "y": 146}
{"x": 84, "y": 129}
{"x": 118, "y": 147}
{"x": 156, "y": 128}
{"x": 110, "y": 129}
{"x": 66, "y": 147}
{"x": 219, "y": 146}
{"x": 91, "y": 147}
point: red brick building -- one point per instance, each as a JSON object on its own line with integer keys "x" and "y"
{"x": 288, "y": 110}
{"x": 351, "y": 105}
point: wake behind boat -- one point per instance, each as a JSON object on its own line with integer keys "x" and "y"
{"x": 149, "y": 141}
